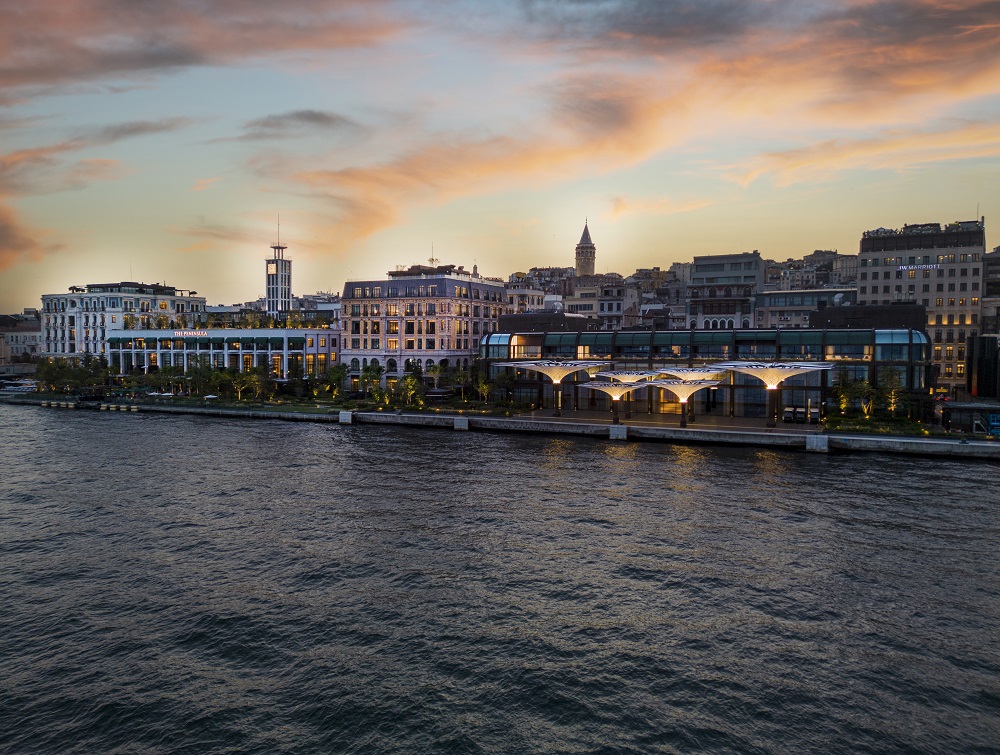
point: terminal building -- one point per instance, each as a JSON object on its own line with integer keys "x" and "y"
{"x": 861, "y": 354}
{"x": 284, "y": 352}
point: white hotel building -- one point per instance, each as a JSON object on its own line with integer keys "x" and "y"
{"x": 78, "y": 323}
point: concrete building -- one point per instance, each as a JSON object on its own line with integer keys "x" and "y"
{"x": 618, "y": 306}
{"x": 422, "y": 316}
{"x": 938, "y": 267}
{"x": 79, "y": 322}
{"x": 523, "y": 296}
{"x": 792, "y": 309}
{"x": 278, "y": 282}
{"x": 722, "y": 291}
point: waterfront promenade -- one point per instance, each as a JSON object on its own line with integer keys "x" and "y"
{"x": 707, "y": 429}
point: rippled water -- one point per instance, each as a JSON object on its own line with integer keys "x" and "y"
{"x": 181, "y": 584}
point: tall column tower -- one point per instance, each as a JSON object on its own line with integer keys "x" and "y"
{"x": 585, "y": 254}
{"x": 278, "y": 293}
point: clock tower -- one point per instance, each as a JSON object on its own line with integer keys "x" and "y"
{"x": 278, "y": 292}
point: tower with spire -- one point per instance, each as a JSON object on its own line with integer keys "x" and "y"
{"x": 278, "y": 291}
{"x": 586, "y": 252}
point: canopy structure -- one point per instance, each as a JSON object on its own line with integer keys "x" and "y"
{"x": 555, "y": 371}
{"x": 683, "y": 389}
{"x": 772, "y": 374}
{"x": 616, "y": 391}
{"x": 690, "y": 373}
{"x": 628, "y": 376}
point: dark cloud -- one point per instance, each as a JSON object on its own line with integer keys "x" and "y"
{"x": 49, "y": 44}
{"x": 296, "y": 123}
{"x": 119, "y": 131}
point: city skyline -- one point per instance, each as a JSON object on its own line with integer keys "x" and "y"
{"x": 160, "y": 143}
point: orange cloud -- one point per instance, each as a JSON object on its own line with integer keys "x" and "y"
{"x": 87, "y": 41}
{"x": 664, "y": 206}
{"x": 204, "y": 183}
{"x": 895, "y": 150}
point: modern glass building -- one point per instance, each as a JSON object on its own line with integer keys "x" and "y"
{"x": 860, "y": 353}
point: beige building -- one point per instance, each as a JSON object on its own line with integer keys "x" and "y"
{"x": 938, "y": 267}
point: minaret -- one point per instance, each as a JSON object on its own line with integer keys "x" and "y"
{"x": 585, "y": 254}
{"x": 278, "y": 292}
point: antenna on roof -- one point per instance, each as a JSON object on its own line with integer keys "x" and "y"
{"x": 433, "y": 260}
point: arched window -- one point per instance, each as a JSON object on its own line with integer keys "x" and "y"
{"x": 731, "y": 325}
{"x": 465, "y": 364}
{"x": 711, "y": 293}
{"x": 364, "y": 362}
{"x": 694, "y": 293}
{"x": 694, "y": 325}
{"x": 429, "y": 363}
{"x": 374, "y": 363}
{"x": 390, "y": 365}
{"x": 746, "y": 324}
{"x": 443, "y": 363}
{"x": 728, "y": 292}
{"x": 355, "y": 365}
{"x": 746, "y": 291}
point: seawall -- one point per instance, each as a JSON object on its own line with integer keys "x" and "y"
{"x": 773, "y": 438}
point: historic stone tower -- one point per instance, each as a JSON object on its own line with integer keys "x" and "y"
{"x": 585, "y": 254}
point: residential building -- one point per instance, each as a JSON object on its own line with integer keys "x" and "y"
{"x": 791, "y": 309}
{"x": 938, "y": 267}
{"x": 523, "y": 296}
{"x": 722, "y": 290}
{"x": 78, "y": 323}
{"x": 618, "y": 306}
{"x": 420, "y": 316}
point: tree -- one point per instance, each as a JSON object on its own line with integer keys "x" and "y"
{"x": 892, "y": 394}
{"x": 334, "y": 379}
{"x": 863, "y": 392}
{"x": 841, "y": 390}
{"x": 200, "y": 374}
{"x": 242, "y": 381}
{"x": 411, "y": 388}
{"x": 435, "y": 372}
{"x": 482, "y": 386}
{"x": 371, "y": 375}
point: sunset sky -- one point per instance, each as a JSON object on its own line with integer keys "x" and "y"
{"x": 160, "y": 141}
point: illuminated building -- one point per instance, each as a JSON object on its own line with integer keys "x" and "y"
{"x": 283, "y": 352}
{"x": 861, "y": 354}
{"x": 78, "y": 323}
{"x": 422, "y": 316}
{"x": 940, "y": 268}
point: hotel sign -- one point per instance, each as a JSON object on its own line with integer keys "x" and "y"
{"x": 918, "y": 267}
{"x": 183, "y": 333}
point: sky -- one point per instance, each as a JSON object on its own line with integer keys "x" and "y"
{"x": 163, "y": 141}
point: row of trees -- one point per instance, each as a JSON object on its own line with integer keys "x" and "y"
{"x": 890, "y": 394}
